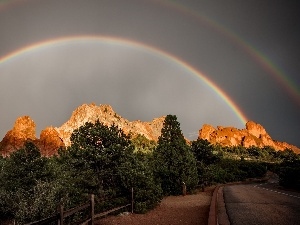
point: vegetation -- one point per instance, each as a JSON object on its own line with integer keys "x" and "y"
{"x": 104, "y": 161}
{"x": 101, "y": 161}
{"x": 174, "y": 162}
{"x": 143, "y": 145}
{"x": 22, "y": 176}
{"x": 204, "y": 154}
{"x": 289, "y": 170}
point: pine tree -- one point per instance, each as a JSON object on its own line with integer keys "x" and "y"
{"x": 173, "y": 160}
{"x": 203, "y": 152}
{"x": 102, "y": 161}
{"x": 24, "y": 168}
{"x": 97, "y": 156}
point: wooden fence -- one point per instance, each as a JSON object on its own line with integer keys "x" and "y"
{"x": 61, "y": 214}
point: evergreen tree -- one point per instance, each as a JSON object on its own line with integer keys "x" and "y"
{"x": 102, "y": 161}
{"x": 97, "y": 156}
{"x": 20, "y": 175}
{"x": 174, "y": 163}
{"x": 203, "y": 152}
{"x": 24, "y": 168}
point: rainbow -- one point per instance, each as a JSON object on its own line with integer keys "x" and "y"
{"x": 277, "y": 73}
{"x": 5, "y": 4}
{"x": 120, "y": 41}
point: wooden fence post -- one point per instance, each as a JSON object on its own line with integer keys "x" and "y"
{"x": 132, "y": 200}
{"x": 61, "y": 214}
{"x": 92, "y": 209}
{"x": 183, "y": 189}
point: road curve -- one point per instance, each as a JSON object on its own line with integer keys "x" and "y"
{"x": 261, "y": 204}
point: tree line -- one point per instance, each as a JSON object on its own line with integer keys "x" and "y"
{"x": 106, "y": 162}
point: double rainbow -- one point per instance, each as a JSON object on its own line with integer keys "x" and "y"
{"x": 277, "y": 73}
{"x": 149, "y": 49}
{"x": 255, "y": 54}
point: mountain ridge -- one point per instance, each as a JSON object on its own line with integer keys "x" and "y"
{"x": 52, "y": 138}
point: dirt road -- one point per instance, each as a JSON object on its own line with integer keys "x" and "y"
{"x": 173, "y": 210}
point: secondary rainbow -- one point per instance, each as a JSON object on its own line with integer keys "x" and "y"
{"x": 150, "y": 49}
{"x": 277, "y": 73}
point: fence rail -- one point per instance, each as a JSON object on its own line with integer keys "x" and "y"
{"x": 110, "y": 211}
{"x": 61, "y": 214}
{"x": 75, "y": 210}
{"x": 45, "y": 221}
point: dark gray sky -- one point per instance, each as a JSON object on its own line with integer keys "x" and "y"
{"x": 250, "y": 49}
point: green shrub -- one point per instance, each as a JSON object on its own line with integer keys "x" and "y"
{"x": 289, "y": 175}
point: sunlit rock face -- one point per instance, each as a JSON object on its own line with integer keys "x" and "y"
{"x": 24, "y": 129}
{"x": 52, "y": 138}
{"x": 206, "y": 131}
{"x": 253, "y": 135}
{"x": 49, "y": 141}
{"x": 106, "y": 115}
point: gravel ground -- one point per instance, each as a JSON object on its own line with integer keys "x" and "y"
{"x": 173, "y": 210}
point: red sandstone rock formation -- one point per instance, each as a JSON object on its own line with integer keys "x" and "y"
{"x": 24, "y": 129}
{"x": 105, "y": 114}
{"x": 254, "y": 135}
{"x": 51, "y": 139}
{"x": 49, "y": 142}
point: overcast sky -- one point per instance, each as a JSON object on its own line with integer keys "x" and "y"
{"x": 249, "y": 49}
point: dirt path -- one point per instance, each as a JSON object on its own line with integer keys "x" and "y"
{"x": 173, "y": 210}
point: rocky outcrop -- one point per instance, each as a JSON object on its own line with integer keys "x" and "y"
{"x": 106, "y": 115}
{"x": 24, "y": 129}
{"x": 253, "y": 135}
{"x": 49, "y": 141}
{"x": 52, "y": 138}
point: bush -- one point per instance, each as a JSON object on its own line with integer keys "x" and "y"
{"x": 42, "y": 203}
{"x": 228, "y": 170}
{"x": 6, "y": 204}
{"x": 289, "y": 175}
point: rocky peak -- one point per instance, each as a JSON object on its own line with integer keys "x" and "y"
{"x": 89, "y": 113}
{"x": 105, "y": 114}
{"x": 52, "y": 138}
{"x": 24, "y": 129}
{"x": 206, "y": 131}
{"x": 255, "y": 129}
{"x": 49, "y": 141}
{"x": 253, "y": 135}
